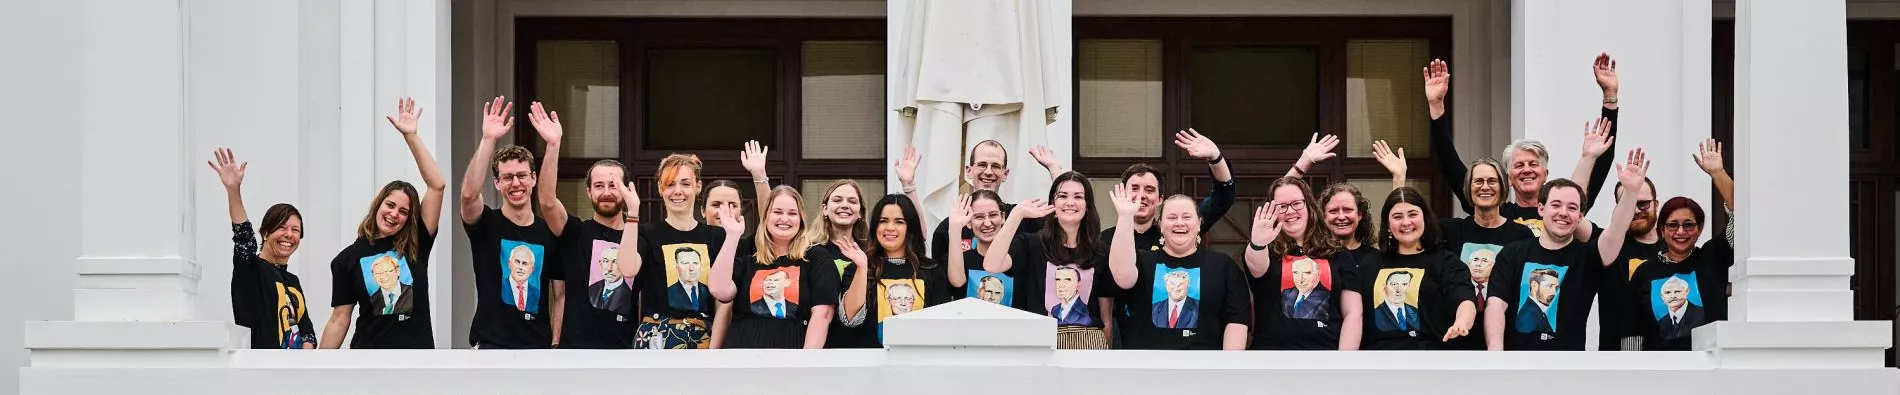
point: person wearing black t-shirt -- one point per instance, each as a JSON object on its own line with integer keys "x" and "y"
{"x": 1302, "y": 281}
{"x": 1476, "y": 239}
{"x": 1181, "y": 297}
{"x": 717, "y": 198}
{"x": 1345, "y": 213}
{"x": 1063, "y": 268}
{"x": 1639, "y": 247}
{"x": 1143, "y": 182}
{"x": 986, "y": 220}
{"x": 602, "y": 315}
{"x": 786, "y": 284}
{"x": 511, "y": 245}
{"x": 894, "y": 277}
{"x": 987, "y": 170}
{"x": 386, "y": 270}
{"x": 265, "y": 296}
{"x": 1543, "y": 288}
{"x": 1685, "y": 286}
{"x": 1421, "y": 295}
{"x": 676, "y": 306}
{"x": 841, "y": 221}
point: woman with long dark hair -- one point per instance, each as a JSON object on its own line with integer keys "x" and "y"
{"x": 1420, "y": 294}
{"x": 1062, "y": 268}
{"x": 265, "y": 295}
{"x": 386, "y": 270}
{"x": 1301, "y": 294}
{"x": 893, "y": 276}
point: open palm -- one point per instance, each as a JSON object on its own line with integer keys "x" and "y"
{"x": 230, "y": 171}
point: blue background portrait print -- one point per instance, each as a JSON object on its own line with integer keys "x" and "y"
{"x": 534, "y": 276}
{"x": 1474, "y": 247}
{"x": 976, "y": 282}
{"x": 1524, "y": 294}
{"x": 1661, "y": 309}
{"x": 369, "y": 276}
{"x": 1161, "y": 283}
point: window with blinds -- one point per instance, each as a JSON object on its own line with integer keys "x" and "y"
{"x": 1119, "y": 97}
{"x": 580, "y": 80}
{"x": 1385, "y": 97}
{"x": 842, "y": 97}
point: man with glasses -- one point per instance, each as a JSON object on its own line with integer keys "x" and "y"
{"x": 507, "y": 320}
{"x": 988, "y": 168}
{"x": 1615, "y": 326}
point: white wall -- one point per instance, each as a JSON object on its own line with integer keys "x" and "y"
{"x": 42, "y": 214}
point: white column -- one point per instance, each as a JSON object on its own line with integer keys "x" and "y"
{"x": 1792, "y": 307}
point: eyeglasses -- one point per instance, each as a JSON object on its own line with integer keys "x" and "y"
{"x": 1681, "y": 226}
{"x": 987, "y": 166}
{"x": 1288, "y": 207}
{"x": 1644, "y": 204}
{"x": 510, "y": 178}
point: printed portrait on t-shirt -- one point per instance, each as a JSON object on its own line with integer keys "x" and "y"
{"x": 1306, "y": 287}
{"x": 899, "y": 296}
{"x": 1633, "y": 264}
{"x": 1676, "y": 302}
{"x": 1538, "y": 296}
{"x": 387, "y": 280}
{"x": 1536, "y": 225}
{"x": 1480, "y": 258}
{"x": 607, "y": 289}
{"x": 290, "y": 305}
{"x": 521, "y": 264}
{"x": 1395, "y": 299}
{"x": 774, "y": 292}
{"x": 687, "y": 265}
{"x": 1176, "y": 297}
{"x": 991, "y": 287}
{"x": 1066, "y": 292}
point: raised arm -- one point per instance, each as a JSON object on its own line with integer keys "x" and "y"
{"x": 231, "y": 174}
{"x": 629, "y": 264}
{"x": 1048, "y": 160}
{"x": 906, "y": 168}
{"x": 548, "y": 124}
{"x": 752, "y": 158}
{"x": 998, "y": 260}
{"x": 722, "y": 286}
{"x": 406, "y": 122}
{"x": 1597, "y": 142}
{"x": 1318, "y": 149}
{"x": 1266, "y": 228}
{"x": 959, "y": 218}
{"x": 1394, "y": 162}
{"x": 1710, "y": 160}
{"x": 496, "y": 120}
{"x": 1605, "y": 69}
{"x": 1631, "y": 174}
{"x": 851, "y": 305}
{"x": 1444, "y": 151}
{"x": 1221, "y": 197}
{"x": 1121, "y": 246}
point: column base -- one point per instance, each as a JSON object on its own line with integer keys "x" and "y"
{"x": 78, "y": 344}
{"x": 1796, "y": 345}
{"x": 161, "y": 289}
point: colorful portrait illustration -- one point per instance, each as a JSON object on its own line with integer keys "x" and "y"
{"x": 1676, "y": 302}
{"x": 1066, "y": 292}
{"x": 1538, "y": 296}
{"x": 774, "y": 293}
{"x": 687, "y": 265}
{"x": 290, "y": 306}
{"x": 1480, "y": 258}
{"x": 1176, "y": 297}
{"x": 607, "y": 289}
{"x": 387, "y": 279}
{"x": 521, "y": 264}
{"x": 844, "y": 268}
{"x": 1395, "y": 299}
{"x": 899, "y": 296}
{"x": 1536, "y": 225}
{"x": 1306, "y": 288}
{"x": 991, "y": 287}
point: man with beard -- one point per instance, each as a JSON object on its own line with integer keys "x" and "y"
{"x": 1617, "y": 320}
{"x": 509, "y": 318}
{"x": 579, "y": 323}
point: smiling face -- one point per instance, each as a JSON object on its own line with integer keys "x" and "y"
{"x": 987, "y": 169}
{"x": 1147, "y": 191}
{"x": 719, "y": 198}
{"x": 1342, "y": 215}
{"x": 603, "y": 189}
{"x": 1071, "y": 203}
{"x": 902, "y": 297}
{"x": 1305, "y": 274}
{"x": 387, "y": 272}
{"x": 1290, "y": 202}
{"x": 1680, "y": 231}
{"x": 1527, "y": 173}
{"x": 1407, "y": 224}
{"x": 782, "y": 219}
{"x": 891, "y": 229}
{"x": 1645, "y": 220}
{"x": 1176, "y": 284}
{"x": 1562, "y": 212}
{"x": 843, "y": 207}
{"x": 392, "y": 215}
{"x": 283, "y": 241}
{"x": 1067, "y": 282}
{"x": 774, "y": 284}
{"x": 1486, "y": 189}
{"x": 986, "y": 218}
{"x": 1180, "y": 224}
{"x": 520, "y": 264}
{"x": 679, "y": 189}
{"x": 514, "y": 180}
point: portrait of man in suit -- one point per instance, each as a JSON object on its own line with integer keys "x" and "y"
{"x": 772, "y": 301}
{"x": 1179, "y": 310}
{"x": 520, "y": 288}
{"x": 901, "y": 297}
{"x": 1396, "y": 312}
{"x": 1479, "y": 258}
{"x": 1535, "y": 315}
{"x": 1071, "y": 307}
{"x": 1306, "y": 300}
{"x": 1680, "y": 315}
{"x": 687, "y": 293}
{"x": 610, "y": 292}
{"x": 391, "y": 295}
{"x": 991, "y": 289}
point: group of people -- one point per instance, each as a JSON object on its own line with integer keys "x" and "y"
{"x": 1521, "y": 272}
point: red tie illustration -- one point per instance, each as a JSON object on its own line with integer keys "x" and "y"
{"x": 1174, "y": 313}
{"x": 1481, "y": 297}
{"x": 521, "y": 298}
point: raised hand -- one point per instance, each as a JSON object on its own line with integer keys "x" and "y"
{"x": 1196, "y": 145}
{"x": 548, "y": 124}
{"x": 1605, "y": 68}
{"x": 1596, "y": 138}
{"x": 1393, "y": 162}
{"x": 497, "y": 118}
{"x": 1437, "y": 81}
{"x": 1266, "y": 225}
{"x": 907, "y": 166}
{"x": 753, "y": 158}
{"x": 629, "y": 199}
{"x": 407, "y": 116}
{"x": 1125, "y": 203}
{"x": 1318, "y": 149}
{"x": 1045, "y": 157}
{"x": 1709, "y": 157}
{"x": 1034, "y": 208}
{"x": 732, "y": 221}
{"x": 230, "y": 171}
{"x": 960, "y": 213}
{"x": 850, "y": 249}
{"x": 1633, "y": 171}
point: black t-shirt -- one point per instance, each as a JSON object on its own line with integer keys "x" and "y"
{"x": 1292, "y": 320}
{"x": 512, "y": 282}
{"x": 1548, "y": 292}
{"x": 1613, "y": 311}
{"x": 1697, "y": 287}
{"x": 841, "y": 336}
{"x": 601, "y": 304}
{"x": 1183, "y": 303}
{"x": 666, "y": 255}
{"x": 1429, "y": 287}
{"x": 1361, "y": 255}
{"x": 940, "y": 239}
{"x": 1477, "y": 248}
{"x": 1067, "y": 291}
{"x": 365, "y": 272}
{"x": 267, "y": 297}
{"x": 761, "y": 319}
{"x": 999, "y": 288}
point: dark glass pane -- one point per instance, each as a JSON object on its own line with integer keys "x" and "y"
{"x": 1857, "y": 97}
{"x": 1255, "y": 95}
{"x": 709, "y": 99}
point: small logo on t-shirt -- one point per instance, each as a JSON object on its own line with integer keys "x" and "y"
{"x": 1545, "y": 336}
{"x": 1321, "y": 324}
{"x": 1187, "y": 333}
{"x": 527, "y": 317}
{"x": 967, "y": 244}
{"x": 402, "y": 317}
{"x": 620, "y": 318}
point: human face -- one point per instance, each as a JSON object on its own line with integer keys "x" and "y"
{"x": 843, "y": 207}
{"x": 1486, "y": 185}
{"x": 1342, "y": 215}
{"x": 1527, "y": 174}
{"x": 1407, "y": 224}
{"x": 1561, "y": 211}
{"x": 284, "y": 240}
{"x": 782, "y": 218}
{"x": 392, "y": 215}
{"x": 1291, "y": 204}
{"x": 688, "y": 267}
{"x": 986, "y": 169}
{"x": 1545, "y": 291}
{"x": 1071, "y": 203}
{"x": 520, "y": 264}
{"x": 1177, "y": 288}
{"x": 603, "y": 188}
{"x": 514, "y": 179}
{"x": 1675, "y": 294}
{"x": 1147, "y": 192}
{"x": 1481, "y": 261}
{"x": 891, "y": 230}
{"x": 1066, "y": 284}
{"x": 774, "y": 284}
{"x": 992, "y": 291}
{"x": 388, "y": 273}
{"x": 1180, "y": 225}
{"x": 678, "y": 192}
{"x": 986, "y": 218}
{"x": 1680, "y": 231}
{"x": 1645, "y": 220}
{"x": 902, "y": 299}
{"x": 609, "y": 265}
{"x": 717, "y": 199}
{"x": 1395, "y": 288}
{"x": 1305, "y": 275}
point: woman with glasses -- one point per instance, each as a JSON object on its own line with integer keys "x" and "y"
{"x": 1684, "y": 286}
{"x": 1301, "y": 277}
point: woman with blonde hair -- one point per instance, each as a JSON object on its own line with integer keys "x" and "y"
{"x": 778, "y": 288}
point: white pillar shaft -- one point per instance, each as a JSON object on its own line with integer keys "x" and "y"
{"x": 1791, "y": 136}
{"x": 133, "y": 115}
